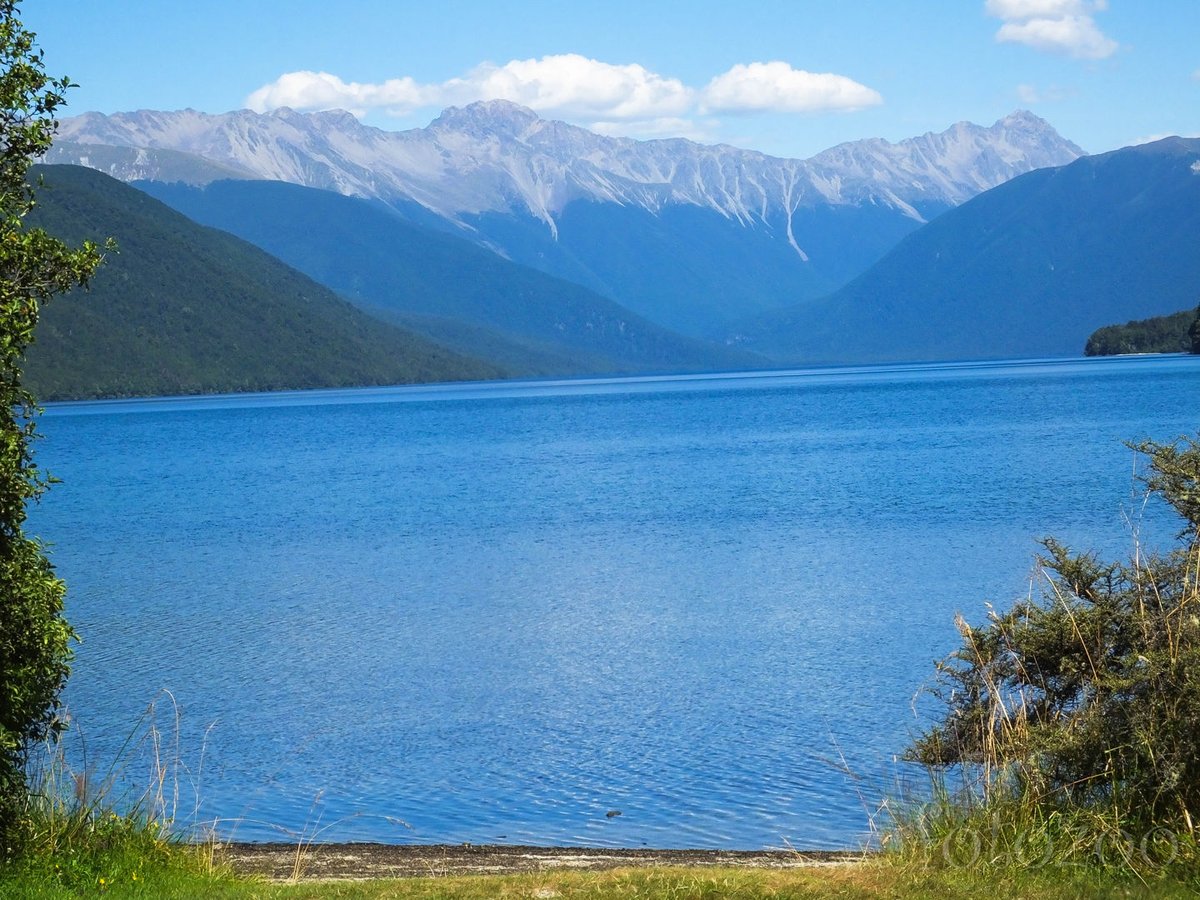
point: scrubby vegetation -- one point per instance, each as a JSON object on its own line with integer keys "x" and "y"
{"x": 1071, "y": 727}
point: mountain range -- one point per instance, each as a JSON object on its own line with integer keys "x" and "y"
{"x": 547, "y": 249}
{"x": 452, "y": 291}
{"x": 1029, "y": 268}
{"x": 690, "y": 236}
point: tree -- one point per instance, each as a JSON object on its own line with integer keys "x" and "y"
{"x": 34, "y": 636}
{"x": 1194, "y": 332}
{"x": 1160, "y": 334}
{"x": 1087, "y": 699}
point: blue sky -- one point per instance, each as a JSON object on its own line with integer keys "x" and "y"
{"x": 788, "y": 78}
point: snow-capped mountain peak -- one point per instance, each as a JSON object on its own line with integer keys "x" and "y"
{"x": 498, "y": 156}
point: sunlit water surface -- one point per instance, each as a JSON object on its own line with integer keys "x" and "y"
{"x": 498, "y": 613}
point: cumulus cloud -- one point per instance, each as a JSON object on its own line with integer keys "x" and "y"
{"x": 1076, "y": 36}
{"x": 572, "y": 85}
{"x": 320, "y": 90}
{"x": 777, "y": 86}
{"x": 1054, "y": 26}
{"x": 625, "y": 99}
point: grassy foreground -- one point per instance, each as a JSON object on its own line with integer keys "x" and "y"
{"x": 865, "y": 880}
{"x": 859, "y": 880}
{"x": 180, "y": 872}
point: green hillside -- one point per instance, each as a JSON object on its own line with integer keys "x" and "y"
{"x": 183, "y": 309}
{"x": 1029, "y": 268}
{"x": 444, "y": 286}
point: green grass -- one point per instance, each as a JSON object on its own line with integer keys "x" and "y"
{"x": 79, "y": 845}
{"x": 120, "y": 857}
{"x": 887, "y": 878}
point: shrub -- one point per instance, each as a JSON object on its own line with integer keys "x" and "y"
{"x": 1082, "y": 703}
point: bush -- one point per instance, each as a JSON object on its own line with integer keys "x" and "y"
{"x": 1082, "y": 703}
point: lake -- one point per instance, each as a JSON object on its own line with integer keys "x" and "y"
{"x": 501, "y": 613}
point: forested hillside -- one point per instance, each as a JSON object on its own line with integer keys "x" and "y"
{"x": 182, "y": 309}
{"x": 1175, "y": 333}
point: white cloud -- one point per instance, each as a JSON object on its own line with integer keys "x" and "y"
{"x": 777, "y": 86}
{"x": 575, "y": 86}
{"x": 1076, "y": 36}
{"x": 1035, "y": 9}
{"x": 625, "y": 99}
{"x": 1055, "y": 26}
{"x": 320, "y": 90}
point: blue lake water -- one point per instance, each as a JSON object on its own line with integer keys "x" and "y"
{"x": 496, "y": 613}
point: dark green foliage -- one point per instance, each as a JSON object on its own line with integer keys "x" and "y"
{"x": 1029, "y": 268}
{"x": 1160, "y": 334}
{"x": 184, "y": 309}
{"x": 1087, "y": 698}
{"x": 34, "y": 637}
{"x": 442, "y": 285}
{"x": 1194, "y": 334}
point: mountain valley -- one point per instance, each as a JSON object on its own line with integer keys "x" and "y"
{"x": 690, "y": 236}
{"x": 547, "y": 249}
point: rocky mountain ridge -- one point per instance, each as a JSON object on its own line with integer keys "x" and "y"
{"x": 498, "y": 157}
{"x": 691, "y": 237}
{"x": 1029, "y": 268}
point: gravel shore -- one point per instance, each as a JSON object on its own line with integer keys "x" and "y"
{"x": 362, "y": 861}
